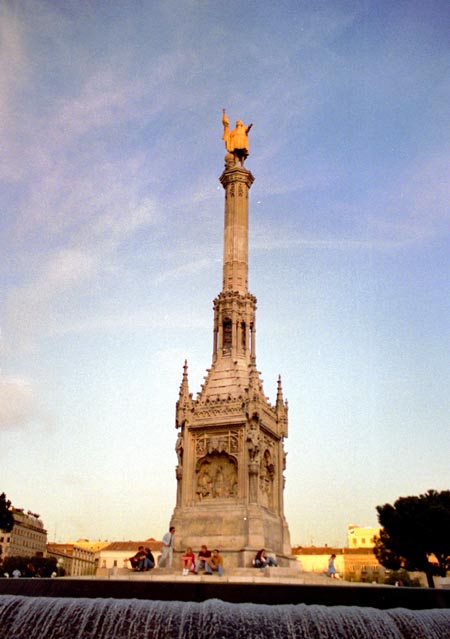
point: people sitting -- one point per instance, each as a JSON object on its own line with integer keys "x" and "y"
{"x": 261, "y": 559}
{"x": 202, "y": 560}
{"x": 188, "y": 561}
{"x": 149, "y": 561}
{"x": 214, "y": 563}
{"x": 136, "y": 560}
{"x": 143, "y": 560}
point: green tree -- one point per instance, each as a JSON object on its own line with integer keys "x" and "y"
{"x": 403, "y": 578}
{"x": 415, "y": 534}
{"x": 6, "y": 516}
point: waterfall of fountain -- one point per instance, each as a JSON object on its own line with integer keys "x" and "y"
{"x": 53, "y": 618}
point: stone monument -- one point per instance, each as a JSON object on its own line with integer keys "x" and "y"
{"x": 230, "y": 447}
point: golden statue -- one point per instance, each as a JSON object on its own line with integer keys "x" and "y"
{"x": 236, "y": 141}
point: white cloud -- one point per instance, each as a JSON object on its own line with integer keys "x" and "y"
{"x": 30, "y": 309}
{"x": 19, "y": 406}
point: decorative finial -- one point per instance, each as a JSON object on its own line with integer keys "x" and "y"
{"x": 184, "y": 387}
{"x": 280, "y": 401}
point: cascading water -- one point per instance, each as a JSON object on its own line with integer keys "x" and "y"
{"x": 57, "y": 618}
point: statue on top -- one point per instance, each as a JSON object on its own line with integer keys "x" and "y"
{"x": 236, "y": 141}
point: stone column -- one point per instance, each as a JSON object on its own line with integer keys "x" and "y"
{"x": 236, "y": 181}
{"x": 179, "y": 476}
{"x": 253, "y": 472}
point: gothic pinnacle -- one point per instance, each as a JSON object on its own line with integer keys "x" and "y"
{"x": 280, "y": 401}
{"x": 184, "y": 387}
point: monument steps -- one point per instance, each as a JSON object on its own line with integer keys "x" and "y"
{"x": 232, "y": 575}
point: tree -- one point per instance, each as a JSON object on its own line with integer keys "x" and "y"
{"x": 6, "y": 516}
{"x": 415, "y": 534}
{"x": 41, "y": 566}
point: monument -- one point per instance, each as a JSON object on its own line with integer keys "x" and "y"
{"x": 230, "y": 443}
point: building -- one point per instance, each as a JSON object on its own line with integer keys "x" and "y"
{"x": 113, "y": 557}
{"x": 230, "y": 444}
{"x": 315, "y": 558}
{"x": 355, "y": 563}
{"x": 362, "y": 537}
{"x": 74, "y": 559}
{"x": 28, "y": 537}
{"x": 352, "y": 564}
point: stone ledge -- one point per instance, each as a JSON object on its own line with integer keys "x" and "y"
{"x": 204, "y": 588}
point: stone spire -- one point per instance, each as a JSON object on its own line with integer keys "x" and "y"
{"x": 184, "y": 386}
{"x": 184, "y": 403}
{"x": 281, "y": 409}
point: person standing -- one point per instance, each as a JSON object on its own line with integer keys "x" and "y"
{"x": 166, "y": 556}
{"x": 332, "y": 568}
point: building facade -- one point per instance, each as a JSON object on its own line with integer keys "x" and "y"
{"x": 230, "y": 444}
{"x": 75, "y": 560}
{"x": 362, "y": 536}
{"x": 28, "y": 537}
{"x": 352, "y": 564}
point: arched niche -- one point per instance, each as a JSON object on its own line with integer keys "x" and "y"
{"x": 216, "y": 477}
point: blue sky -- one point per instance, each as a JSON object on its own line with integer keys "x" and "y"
{"x": 111, "y": 237}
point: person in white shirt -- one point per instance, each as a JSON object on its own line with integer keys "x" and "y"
{"x": 166, "y": 556}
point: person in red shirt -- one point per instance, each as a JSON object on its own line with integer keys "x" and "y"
{"x": 188, "y": 561}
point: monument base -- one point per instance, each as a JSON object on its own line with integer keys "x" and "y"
{"x": 236, "y": 530}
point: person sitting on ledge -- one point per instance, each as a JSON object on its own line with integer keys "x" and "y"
{"x": 137, "y": 560}
{"x": 261, "y": 560}
{"x": 188, "y": 561}
{"x": 203, "y": 557}
{"x": 215, "y": 563}
{"x": 147, "y": 562}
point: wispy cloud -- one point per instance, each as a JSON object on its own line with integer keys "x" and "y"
{"x": 416, "y": 208}
{"x": 19, "y": 405}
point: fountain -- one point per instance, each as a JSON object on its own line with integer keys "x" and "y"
{"x": 81, "y": 618}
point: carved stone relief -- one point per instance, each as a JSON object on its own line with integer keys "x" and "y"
{"x": 179, "y": 449}
{"x": 224, "y": 442}
{"x": 216, "y": 477}
{"x": 266, "y": 479}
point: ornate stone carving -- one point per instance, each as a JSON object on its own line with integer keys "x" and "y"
{"x": 266, "y": 478}
{"x": 217, "y": 409}
{"x": 218, "y": 442}
{"x": 216, "y": 477}
{"x": 253, "y": 443}
{"x": 179, "y": 449}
